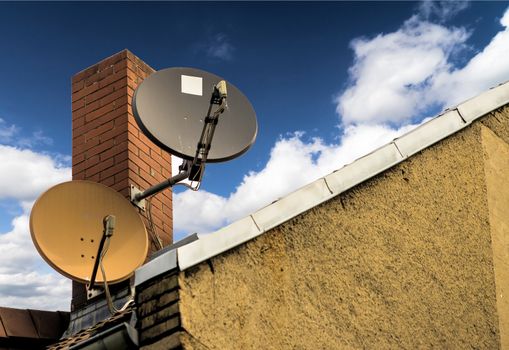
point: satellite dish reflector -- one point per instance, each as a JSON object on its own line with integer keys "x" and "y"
{"x": 170, "y": 107}
{"x": 66, "y": 224}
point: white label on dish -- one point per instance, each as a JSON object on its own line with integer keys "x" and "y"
{"x": 191, "y": 85}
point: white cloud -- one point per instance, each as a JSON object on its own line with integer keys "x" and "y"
{"x": 34, "y": 290}
{"x": 392, "y": 72}
{"x": 400, "y": 75}
{"x": 25, "y": 279}
{"x": 395, "y": 79}
{"x": 486, "y": 69}
{"x": 24, "y": 173}
{"x": 292, "y": 164}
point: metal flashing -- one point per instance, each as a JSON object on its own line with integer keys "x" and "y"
{"x": 429, "y": 133}
{"x": 218, "y": 242}
{"x": 155, "y": 267}
{"x": 363, "y": 168}
{"x": 121, "y": 336}
{"x": 341, "y": 180}
{"x": 484, "y": 103}
{"x": 292, "y": 205}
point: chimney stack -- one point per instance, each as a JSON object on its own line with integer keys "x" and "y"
{"x": 109, "y": 148}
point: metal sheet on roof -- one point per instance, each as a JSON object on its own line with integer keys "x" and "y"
{"x": 215, "y": 243}
{"x": 484, "y": 103}
{"x": 429, "y": 133}
{"x": 162, "y": 264}
{"x": 291, "y": 205}
{"x": 363, "y": 168}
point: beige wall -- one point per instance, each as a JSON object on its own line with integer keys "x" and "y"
{"x": 404, "y": 260}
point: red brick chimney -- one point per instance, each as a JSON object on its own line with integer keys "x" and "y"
{"x": 107, "y": 145}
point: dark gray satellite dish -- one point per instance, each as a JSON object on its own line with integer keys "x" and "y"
{"x": 170, "y": 107}
{"x": 195, "y": 115}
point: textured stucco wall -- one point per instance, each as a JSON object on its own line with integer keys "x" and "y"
{"x": 404, "y": 260}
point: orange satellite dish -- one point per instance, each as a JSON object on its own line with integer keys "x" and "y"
{"x": 66, "y": 224}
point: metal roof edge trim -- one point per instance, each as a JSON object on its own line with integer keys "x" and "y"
{"x": 215, "y": 243}
{"x": 363, "y": 168}
{"x": 484, "y": 103}
{"x": 293, "y": 204}
{"x": 155, "y": 267}
{"x": 342, "y": 179}
{"x": 429, "y": 133}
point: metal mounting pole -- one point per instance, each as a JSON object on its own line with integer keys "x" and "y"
{"x": 160, "y": 186}
{"x": 109, "y": 226}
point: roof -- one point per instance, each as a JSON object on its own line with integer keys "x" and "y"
{"x": 327, "y": 187}
{"x": 30, "y": 329}
{"x": 98, "y": 330}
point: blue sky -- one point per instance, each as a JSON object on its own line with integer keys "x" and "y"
{"x": 329, "y": 81}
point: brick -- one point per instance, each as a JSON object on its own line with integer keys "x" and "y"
{"x": 119, "y": 96}
{"x": 162, "y": 301}
{"x": 112, "y": 60}
{"x": 78, "y": 176}
{"x": 121, "y": 156}
{"x": 84, "y": 73}
{"x": 155, "y": 155}
{"x": 119, "y": 85}
{"x": 160, "y": 316}
{"x": 166, "y": 327}
{"x": 78, "y": 139}
{"x": 122, "y": 175}
{"x": 77, "y": 122}
{"x": 99, "y": 148}
{"x": 77, "y": 105}
{"x": 147, "y": 159}
{"x": 88, "y": 107}
{"x": 121, "y": 138}
{"x": 113, "y": 151}
{"x": 78, "y": 168}
{"x": 99, "y": 130}
{"x": 118, "y": 167}
{"x": 109, "y": 181}
{"x": 121, "y": 65}
{"x": 89, "y": 172}
{"x": 154, "y": 290}
{"x": 84, "y": 92}
{"x": 99, "y": 112}
{"x": 116, "y": 115}
{"x": 99, "y": 75}
{"x": 145, "y": 175}
{"x": 138, "y": 181}
{"x": 113, "y": 78}
{"x": 77, "y": 85}
{"x": 92, "y": 161}
{"x": 91, "y": 142}
{"x": 122, "y": 187}
{"x": 78, "y": 158}
{"x": 166, "y": 156}
{"x": 114, "y": 132}
{"x": 140, "y": 163}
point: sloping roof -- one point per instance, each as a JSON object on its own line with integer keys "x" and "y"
{"x": 329, "y": 186}
{"x": 30, "y": 329}
{"x": 91, "y": 332}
